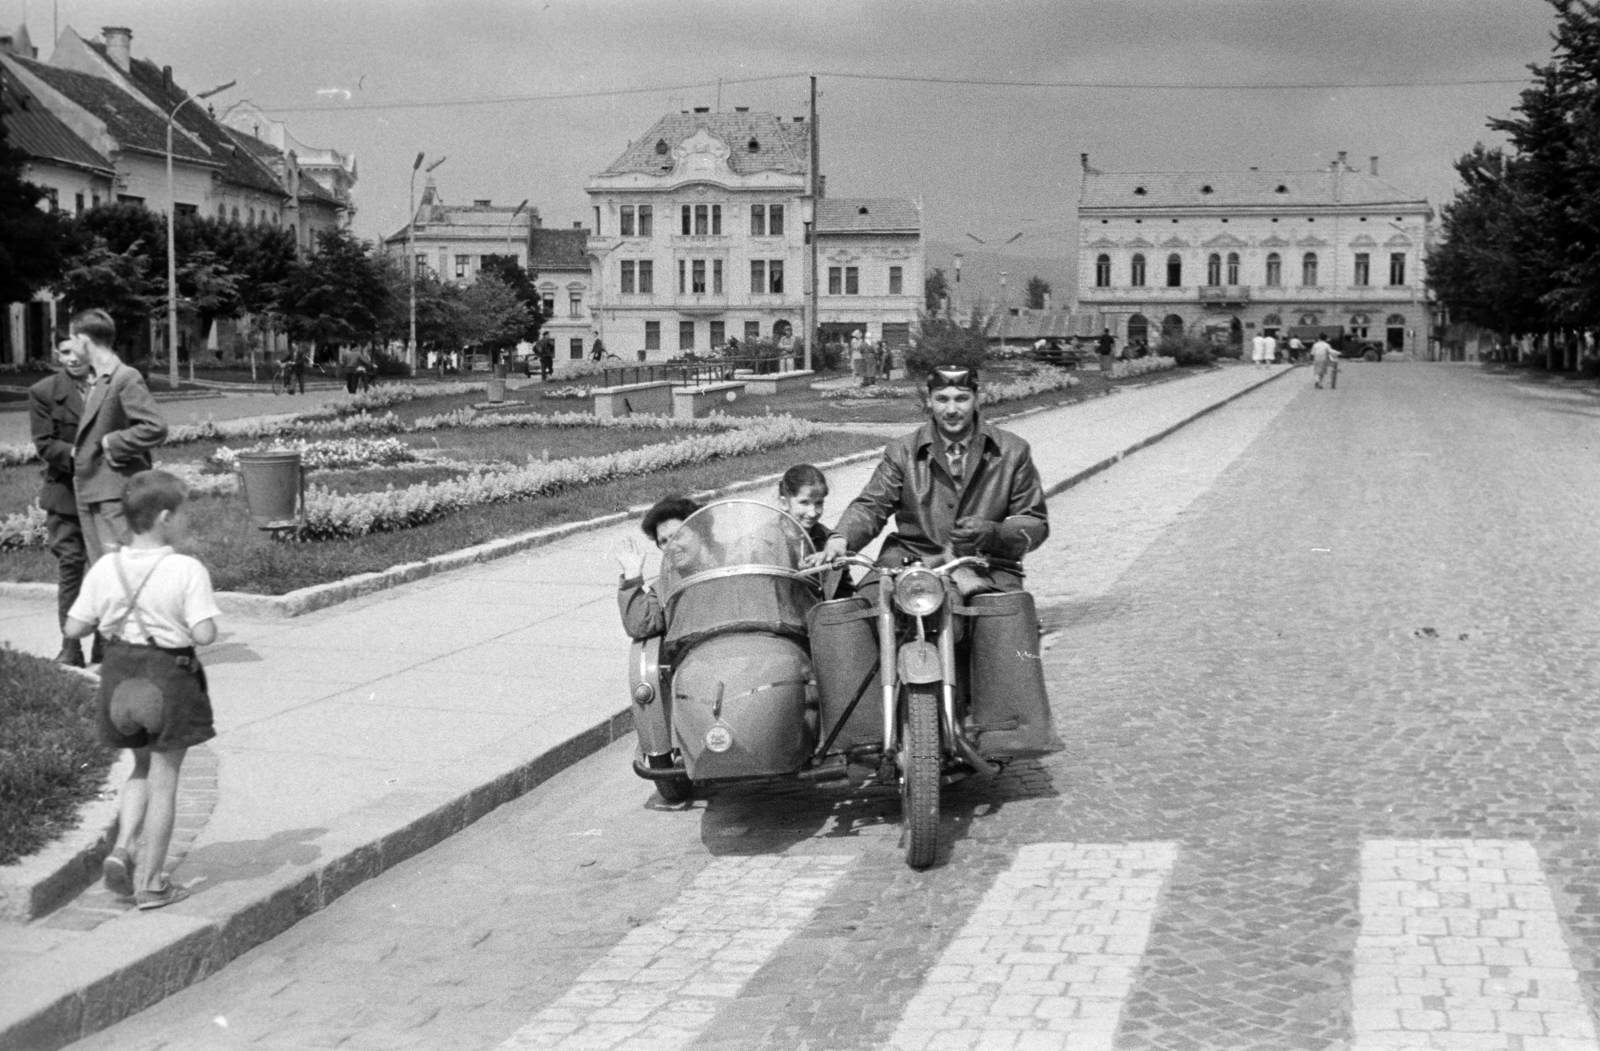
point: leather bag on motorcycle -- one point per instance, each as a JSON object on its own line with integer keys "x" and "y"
{"x": 1010, "y": 711}
{"x": 844, "y": 658}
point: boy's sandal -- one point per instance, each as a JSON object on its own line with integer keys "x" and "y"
{"x": 155, "y": 899}
{"x": 117, "y": 869}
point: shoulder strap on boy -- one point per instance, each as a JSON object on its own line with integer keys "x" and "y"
{"x": 134, "y": 593}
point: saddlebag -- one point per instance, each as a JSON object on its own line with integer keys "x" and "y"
{"x": 844, "y": 656}
{"x": 1010, "y": 712}
{"x": 742, "y": 706}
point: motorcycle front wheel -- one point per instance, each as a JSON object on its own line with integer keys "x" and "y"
{"x": 919, "y": 774}
{"x": 675, "y": 790}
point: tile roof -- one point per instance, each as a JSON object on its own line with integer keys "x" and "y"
{"x": 781, "y": 145}
{"x": 867, "y": 215}
{"x": 557, "y": 249}
{"x": 132, "y": 123}
{"x": 1121, "y": 190}
{"x": 270, "y": 156}
{"x": 240, "y": 167}
{"x": 36, "y": 131}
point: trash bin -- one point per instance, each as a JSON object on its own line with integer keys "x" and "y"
{"x": 497, "y": 387}
{"x": 274, "y": 487}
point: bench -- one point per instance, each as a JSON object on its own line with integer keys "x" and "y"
{"x": 689, "y": 403}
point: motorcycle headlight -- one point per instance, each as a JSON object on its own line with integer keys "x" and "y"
{"x": 919, "y": 592}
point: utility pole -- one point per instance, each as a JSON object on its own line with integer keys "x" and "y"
{"x": 813, "y": 188}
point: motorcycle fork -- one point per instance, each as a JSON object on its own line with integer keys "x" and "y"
{"x": 947, "y": 665}
{"x": 888, "y": 652}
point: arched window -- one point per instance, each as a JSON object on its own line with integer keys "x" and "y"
{"x": 1309, "y": 321}
{"x": 1274, "y": 270}
{"x": 1213, "y": 269}
{"x": 1395, "y": 319}
{"x": 1136, "y": 272}
{"x": 222, "y": 211}
{"x": 1272, "y": 321}
{"x": 1174, "y": 272}
{"x": 236, "y": 213}
{"x": 1102, "y": 271}
{"x": 1358, "y": 325}
{"x": 1308, "y": 269}
{"x": 1138, "y": 327}
{"x": 1233, "y": 268}
{"x": 252, "y": 217}
{"x": 1172, "y": 325}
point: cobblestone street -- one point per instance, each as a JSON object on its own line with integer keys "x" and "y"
{"x": 1324, "y": 662}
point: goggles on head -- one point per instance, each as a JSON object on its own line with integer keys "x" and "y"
{"x": 953, "y": 376}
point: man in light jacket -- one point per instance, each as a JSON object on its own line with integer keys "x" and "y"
{"x": 120, "y": 425}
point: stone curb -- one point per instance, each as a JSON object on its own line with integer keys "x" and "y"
{"x": 122, "y": 967}
{"x": 40, "y": 882}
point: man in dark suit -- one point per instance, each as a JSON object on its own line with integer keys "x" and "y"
{"x": 120, "y": 425}
{"x": 55, "y": 405}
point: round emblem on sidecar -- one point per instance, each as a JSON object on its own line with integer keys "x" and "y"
{"x": 719, "y": 738}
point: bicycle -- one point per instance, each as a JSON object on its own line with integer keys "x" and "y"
{"x": 284, "y": 376}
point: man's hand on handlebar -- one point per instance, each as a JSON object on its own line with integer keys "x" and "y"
{"x": 832, "y": 551}
{"x": 974, "y": 535}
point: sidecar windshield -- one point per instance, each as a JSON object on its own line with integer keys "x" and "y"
{"x": 734, "y": 566}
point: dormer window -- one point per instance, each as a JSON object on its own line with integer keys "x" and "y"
{"x": 1138, "y": 191}
{"x": 1206, "y": 188}
{"x": 1281, "y": 189}
{"x": 661, "y": 147}
{"x": 862, "y": 210}
{"x": 753, "y": 146}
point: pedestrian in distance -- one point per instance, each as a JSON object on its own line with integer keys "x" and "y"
{"x": 1324, "y": 362}
{"x": 1106, "y": 342}
{"x": 1270, "y": 350}
{"x": 1258, "y": 350}
{"x": 547, "y": 357}
{"x": 121, "y": 425}
{"x": 55, "y": 407}
{"x": 1297, "y": 350}
{"x": 153, "y": 606}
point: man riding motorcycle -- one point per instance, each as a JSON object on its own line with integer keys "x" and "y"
{"x": 955, "y": 486}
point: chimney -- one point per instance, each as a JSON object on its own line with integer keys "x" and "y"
{"x": 481, "y": 202}
{"x": 1374, "y": 165}
{"x": 1342, "y": 155}
{"x": 119, "y": 45}
{"x": 741, "y": 109}
{"x": 702, "y": 109}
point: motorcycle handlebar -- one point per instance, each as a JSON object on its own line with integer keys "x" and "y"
{"x": 946, "y": 568}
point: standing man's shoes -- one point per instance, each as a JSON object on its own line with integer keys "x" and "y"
{"x": 71, "y": 653}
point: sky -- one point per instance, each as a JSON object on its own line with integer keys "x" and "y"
{"x": 987, "y": 161}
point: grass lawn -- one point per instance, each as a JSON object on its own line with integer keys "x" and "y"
{"x": 50, "y": 761}
{"x": 242, "y": 559}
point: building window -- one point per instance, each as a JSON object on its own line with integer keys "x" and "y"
{"x": 421, "y": 263}
{"x": 549, "y": 301}
{"x": 1308, "y": 270}
{"x": 652, "y": 335}
{"x": 758, "y": 220}
{"x": 1397, "y": 268}
{"x": 775, "y": 220}
{"x": 1213, "y": 270}
{"x": 697, "y": 277}
{"x": 1102, "y": 271}
{"x": 716, "y": 218}
{"x": 852, "y": 281}
{"x": 597, "y": 220}
{"x": 1363, "y": 274}
{"x": 683, "y": 284}
{"x": 575, "y": 304}
{"x": 463, "y": 265}
{"x": 627, "y": 277}
{"x": 719, "y": 333}
{"x": 575, "y": 348}
{"x": 1174, "y": 271}
{"x": 702, "y": 219}
{"x": 77, "y": 204}
{"x": 625, "y": 221}
{"x": 896, "y": 281}
{"x": 835, "y": 280}
{"x": 758, "y": 276}
{"x": 1358, "y": 325}
{"x": 646, "y": 220}
{"x": 687, "y": 213}
{"x": 1274, "y": 270}
{"x": 775, "y": 276}
{"x": 1136, "y": 272}
{"x": 1233, "y": 267}
{"x": 686, "y": 335}
{"x": 222, "y": 211}
{"x": 647, "y": 277}
{"x": 752, "y": 331}
{"x": 716, "y": 277}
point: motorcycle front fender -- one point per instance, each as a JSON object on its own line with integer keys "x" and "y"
{"x": 920, "y": 662}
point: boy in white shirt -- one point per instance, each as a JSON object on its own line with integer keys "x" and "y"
{"x": 152, "y": 606}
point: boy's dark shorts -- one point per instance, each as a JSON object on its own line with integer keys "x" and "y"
{"x": 153, "y": 698}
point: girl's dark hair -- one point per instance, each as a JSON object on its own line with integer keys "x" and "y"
{"x": 149, "y": 493}
{"x": 665, "y": 510}
{"x": 801, "y": 476}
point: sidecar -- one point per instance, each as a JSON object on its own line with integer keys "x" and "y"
{"x": 728, "y": 693}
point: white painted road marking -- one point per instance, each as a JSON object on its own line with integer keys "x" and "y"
{"x": 664, "y": 982}
{"x": 1461, "y": 947}
{"x": 1048, "y": 956}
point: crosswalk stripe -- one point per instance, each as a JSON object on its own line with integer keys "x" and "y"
{"x": 1461, "y": 946}
{"x": 665, "y": 980}
{"x": 1048, "y": 956}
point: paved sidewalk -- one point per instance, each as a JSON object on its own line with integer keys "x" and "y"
{"x": 356, "y": 736}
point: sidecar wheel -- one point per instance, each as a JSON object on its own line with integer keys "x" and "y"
{"x": 675, "y": 790}
{"x": 919, "y": 775}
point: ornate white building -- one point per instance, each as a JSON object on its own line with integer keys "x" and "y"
{"x": 1237, "y": 253}
{"x": 699, "y": 237}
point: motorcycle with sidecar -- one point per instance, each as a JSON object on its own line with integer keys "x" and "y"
{"x": 759, "y": 676}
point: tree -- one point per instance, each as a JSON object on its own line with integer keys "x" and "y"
{"x": 33, "y": 242}
{"x": 945, "y": 342}
{"x": 494, "y": 318}
{"x": 339, "y": 295}
{"x": 934, "y": 291}
{"x": 1038, "y": 288}
{"x": 117, "y": 282}
{"x": 506, "y": 269}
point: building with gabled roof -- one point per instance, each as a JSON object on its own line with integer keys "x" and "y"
{"x": 700, "y": 238}
{"x": 1236, "y": 254}
{"x": 559, "y": 266}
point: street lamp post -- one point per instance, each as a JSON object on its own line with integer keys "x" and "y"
{"x": 411, "y": 261}
{"x": 172, "y": 238}
{"x": 511, "y": 220}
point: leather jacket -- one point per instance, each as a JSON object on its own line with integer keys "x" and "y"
{"x": 914, "y": 484}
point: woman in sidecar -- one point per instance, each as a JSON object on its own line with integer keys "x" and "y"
{"x": 726, "y": 693}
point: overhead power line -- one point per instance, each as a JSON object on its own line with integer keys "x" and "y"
{"x": 1092, "y": 85}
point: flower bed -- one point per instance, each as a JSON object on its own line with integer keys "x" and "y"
{"x": 329, "y": 455}
{"x": 567, "y": 393}
{"x": 1041, "y": 382}
{"x": 867, "y": 393}
{"x": 1121, "y": 370}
